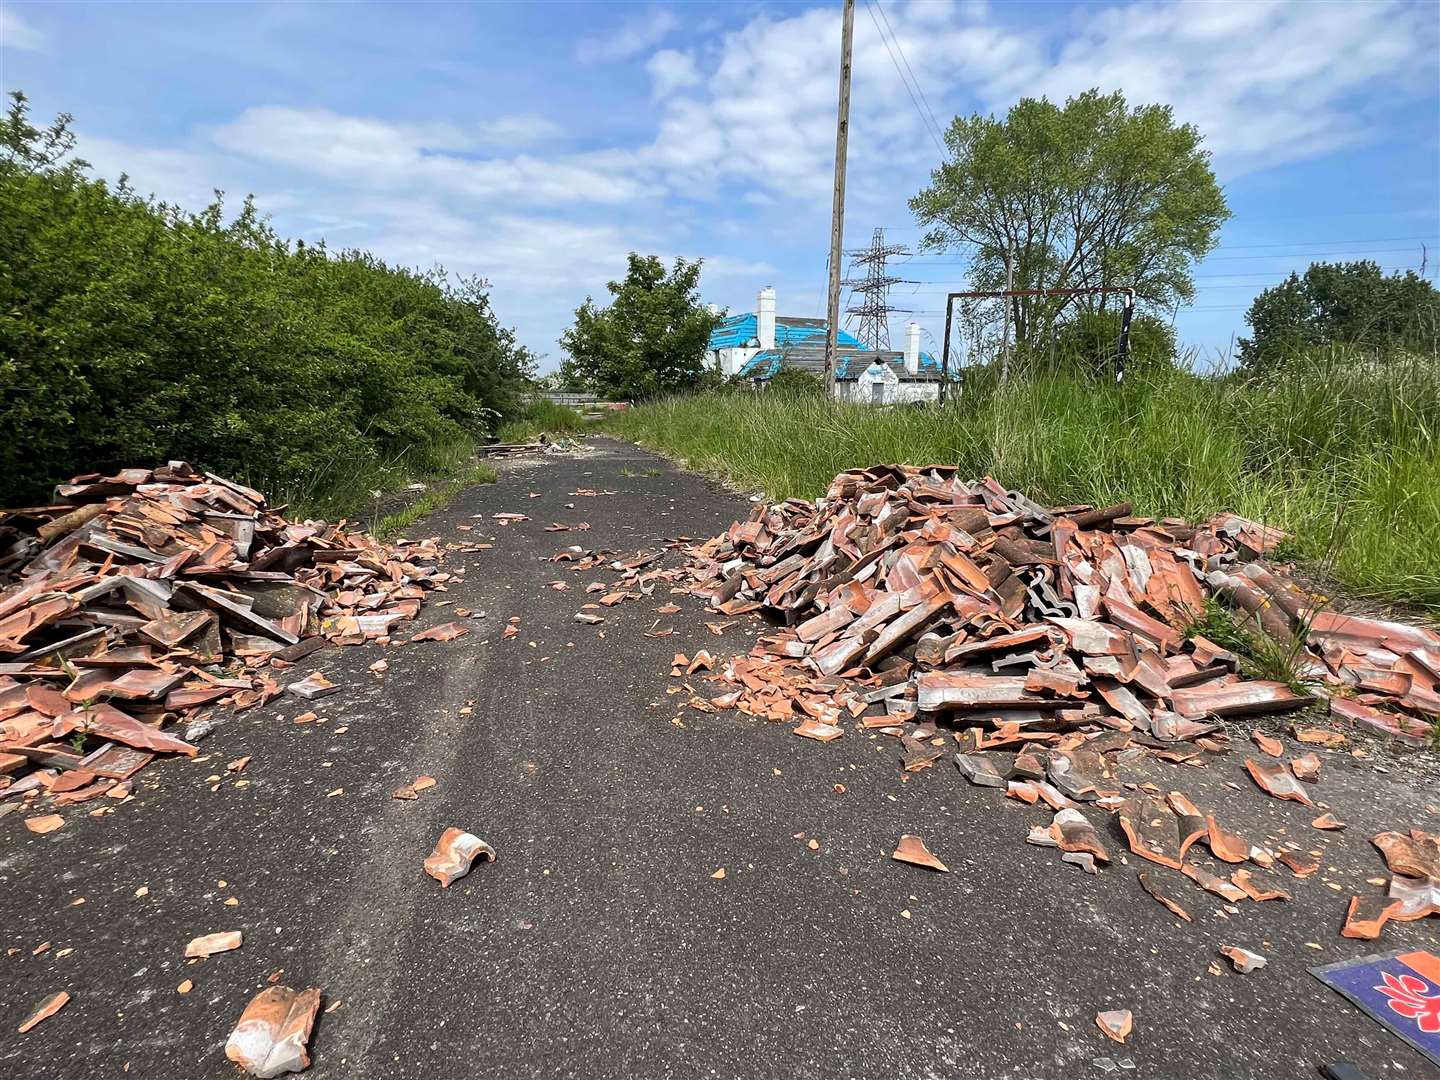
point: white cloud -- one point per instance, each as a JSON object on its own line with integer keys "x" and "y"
{"x": 16, "y": 33}
{"x": 377, "y": 154}
{"x": 634, "y": 36}
{"x": 747, "y": 118}
{"x": 1265, "y": 83}
{"x": 521, "y": 129}
{"x": 671, "y": 70}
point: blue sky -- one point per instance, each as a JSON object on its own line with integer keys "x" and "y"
{"x": 536, "y": 144}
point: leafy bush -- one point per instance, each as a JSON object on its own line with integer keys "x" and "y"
{"x": 1088, "y": 340}
{"x": 795, "y": 381}
{"x": 541, "y": 415}
{"x": 132, "y": 331}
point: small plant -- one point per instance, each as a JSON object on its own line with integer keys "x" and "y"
{"x": 652, "y": 472}
{"x": 78, "y": 737}
{"x": 628, "y": 473}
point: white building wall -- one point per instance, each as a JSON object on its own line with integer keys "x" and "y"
{"x": 733, "y": 359}
{"x": 897, "y": 393}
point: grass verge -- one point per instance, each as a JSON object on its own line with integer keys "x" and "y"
{"x": 1342, "y": 454}
{"x": 375, "y": 492}
{"x": 391, "y": 525}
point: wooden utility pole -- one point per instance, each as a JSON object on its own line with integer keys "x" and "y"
{"x": 837, "y": 212}
{"x": 1005, "y": 341}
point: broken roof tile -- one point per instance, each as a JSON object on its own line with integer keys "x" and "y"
{"x": 273, "y": 1033}
{"x": 455, "y": 853}
{"x": 912, "y": 849}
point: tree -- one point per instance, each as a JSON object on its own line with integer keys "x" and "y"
{"x": 650, "y": 340}
{"x": 1353, "y": 304}
{"x": 1093, "y": 194}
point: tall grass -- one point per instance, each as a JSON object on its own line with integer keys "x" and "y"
{"x": 541, "y": 415}
{"x": 1323, "y": 433}
{"x": 360, "y": 487}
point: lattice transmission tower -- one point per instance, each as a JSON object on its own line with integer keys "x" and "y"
{"x": 870, "y": 293}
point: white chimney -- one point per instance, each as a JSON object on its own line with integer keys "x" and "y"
{"x": 765, "y": 317}
{"x": 912, "y": 348}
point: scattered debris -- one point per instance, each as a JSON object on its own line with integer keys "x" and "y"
{"x": 1273, "y": 779}
{"x": 1306, "y": 767}
{"x": 1366, "y": 916}
{"x": 273, "y": 1033}
{"x": 47, "y": 823}
{"x": 454, "y": 854}
{"x": 209, "y": 944}
{"x": 1115, "y": 1024}
{"x": 46, "y": 1009}
{"x": 912, "y": 849}
{"x": 444, "y": 632}
{"x": 1267, "y": 744}
{"x": 1243, "y": 960}
{"x": 313, "y": 687}
{"x": 1155, "y": 889}
{"x": 139, "y": 599}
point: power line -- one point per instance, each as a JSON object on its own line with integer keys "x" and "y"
{"x": 927, "y": 123}
{"x": 876, "y": 5}
{"x": 937, "y": 260}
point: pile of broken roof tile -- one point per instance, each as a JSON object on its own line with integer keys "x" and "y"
{"x": 912, "y": 587}
{"x": 137, "y": 599}
{"x": 1053, "y": 643}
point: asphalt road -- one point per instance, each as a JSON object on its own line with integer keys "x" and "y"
{"x": 599, "y": 945}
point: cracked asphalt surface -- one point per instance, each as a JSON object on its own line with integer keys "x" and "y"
{"x": 599, "y": 945}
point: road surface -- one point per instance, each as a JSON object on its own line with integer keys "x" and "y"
{"x": 599, "y": 944}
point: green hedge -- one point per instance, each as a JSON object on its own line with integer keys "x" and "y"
{"x": 132, "y": 331}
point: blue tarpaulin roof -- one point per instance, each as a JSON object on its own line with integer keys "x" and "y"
{"x": 739, "y": 331}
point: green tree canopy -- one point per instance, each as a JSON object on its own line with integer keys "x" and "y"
{"x": 650, "y": 340}
{"x": 1354, "y": 304}
{"x": 1091, "y": 194}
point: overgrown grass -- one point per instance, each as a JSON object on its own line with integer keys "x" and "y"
{"x": 1323, "y": 433}
{"x": 542, "y": 415}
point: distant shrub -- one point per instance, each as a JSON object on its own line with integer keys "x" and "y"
{"x": 132, "y": 331}
{"x": 1088, "y": 340}
{"x": 796, "y": 381}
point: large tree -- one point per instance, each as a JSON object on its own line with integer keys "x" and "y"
{"x": 650, "y": 340}
{"x": 1089, "y": 194}
{"x": 1354, "y": 304}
